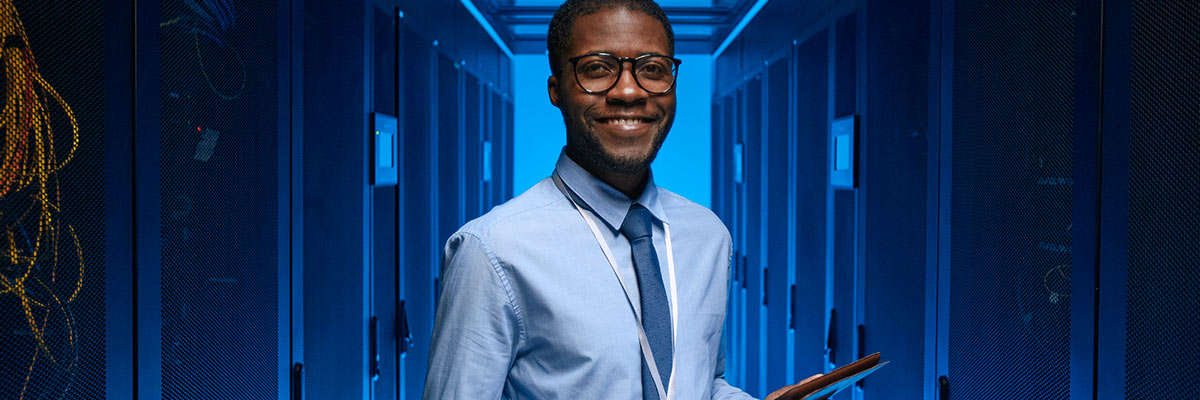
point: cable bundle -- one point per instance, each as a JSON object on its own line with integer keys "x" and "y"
{"x": 29, "y": 206}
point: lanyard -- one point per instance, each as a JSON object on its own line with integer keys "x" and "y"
{"x": 647, "y": 353}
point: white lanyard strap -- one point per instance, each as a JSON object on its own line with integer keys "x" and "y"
{"x": 647, "y": 353}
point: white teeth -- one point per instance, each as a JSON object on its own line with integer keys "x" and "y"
{"x": 624, "y": 121}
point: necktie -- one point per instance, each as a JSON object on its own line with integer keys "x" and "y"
{"x": 656, "y": 312}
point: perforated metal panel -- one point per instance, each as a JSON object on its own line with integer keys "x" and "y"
{"x": 219, "y": 204}
{"x": 1162, "y": 327}
{"x": 1011, "y": 200}
{"x": 52, "y": 194}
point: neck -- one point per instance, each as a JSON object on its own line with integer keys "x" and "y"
{"x": 631, "y": 184}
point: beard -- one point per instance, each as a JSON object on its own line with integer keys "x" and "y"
{"x": 588, "y": 150}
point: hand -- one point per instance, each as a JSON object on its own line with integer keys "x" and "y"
{"x": 778, "y": 394}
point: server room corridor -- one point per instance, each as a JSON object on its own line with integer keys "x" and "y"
{"x": 231, "y": 199}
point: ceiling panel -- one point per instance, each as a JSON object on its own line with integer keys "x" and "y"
{"x": 700, "y": 25}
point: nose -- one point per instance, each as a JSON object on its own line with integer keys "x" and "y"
{"x": 627, "y": 90}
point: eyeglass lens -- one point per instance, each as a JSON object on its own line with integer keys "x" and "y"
{"x": 599, "y": 73}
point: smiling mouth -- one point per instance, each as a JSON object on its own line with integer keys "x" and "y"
{"x": 624, "y": 121}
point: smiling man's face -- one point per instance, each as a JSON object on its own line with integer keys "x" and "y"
{"x": 621, "y": 130}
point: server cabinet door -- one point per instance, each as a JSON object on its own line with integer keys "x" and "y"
{"x": 776, "y": 215}
{"x": 384, "y": 330}
{"x": 811, "y": 107}
{"x": 420, "y": 177}
{"x": 509, "y": 125}
{"x": 731, "y": 144}
{"x": 473, "y": 138}
{"x": 1010, "y": 216}
{"x": 894, "y": 228}
{"x": 223, "y": 128}
{"x": 65, "y": 302}
{"x": 1148, "y": 256}
{"x": 756, "y": 321}
{"x": 451, "y": 173}
{"x": 495, "y": 127}
{"x": 741, "y": 296}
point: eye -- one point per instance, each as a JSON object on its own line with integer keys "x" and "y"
{"x": 594, "y": 69}
{"x": 653, "y": 70}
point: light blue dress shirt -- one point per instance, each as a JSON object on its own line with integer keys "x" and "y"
{"x": 531, "y": 309}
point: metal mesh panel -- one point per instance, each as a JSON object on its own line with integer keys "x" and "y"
{"x": 219, "y": 206}
{"x": 1011, "y": 200}
{"x": 1163, "y": 257}
{"x": 52, "y": 296}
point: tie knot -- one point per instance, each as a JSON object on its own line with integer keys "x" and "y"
{"x": 637, "y": 222}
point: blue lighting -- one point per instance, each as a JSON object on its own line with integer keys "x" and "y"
{"x": 487, "y": 26}
{"x": 737, "y": 30}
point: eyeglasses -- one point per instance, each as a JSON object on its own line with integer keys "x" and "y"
{"x": 597, "y": 73}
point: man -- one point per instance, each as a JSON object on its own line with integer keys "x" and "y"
{"x": 543, "y": 297}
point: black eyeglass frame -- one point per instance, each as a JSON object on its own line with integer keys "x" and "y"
{"x": 621, "y": 70}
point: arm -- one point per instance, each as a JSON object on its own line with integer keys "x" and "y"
{"x": 476, "y": 330}
{"x": 721, "y": 389}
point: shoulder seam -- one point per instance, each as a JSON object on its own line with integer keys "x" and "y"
{"x": 506, "y": 283}
{"x": 485, "y": 229}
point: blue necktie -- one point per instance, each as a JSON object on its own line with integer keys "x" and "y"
{"x": 656, "y": 311}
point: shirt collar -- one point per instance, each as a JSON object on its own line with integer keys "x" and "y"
{"x": 602, "y": 198}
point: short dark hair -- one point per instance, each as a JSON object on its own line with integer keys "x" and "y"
{"x": 559, "y": 37}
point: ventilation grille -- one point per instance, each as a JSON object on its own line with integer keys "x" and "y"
{"x": 1011, "y": 200}
{"x": 219, "y": 205}
{"x": 1163, "y": 257}
{"x": 52, "y": 269}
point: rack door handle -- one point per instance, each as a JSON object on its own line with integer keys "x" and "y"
{"x": 405, "y": 333}
{"x": 374, "y": 348}
{"x": 298, "y": 381}
{"x": 831, "y": 339}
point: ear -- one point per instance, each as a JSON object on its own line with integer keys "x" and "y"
{"x": 552, "y": 88}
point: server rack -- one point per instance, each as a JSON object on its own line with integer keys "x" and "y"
{"x": 64, "y": 190}
{"x": 777, "y": 217}
{"x": 174, "y": 235}
{"x": 1012, "y": 216}
{"x": 1147, "y": 180}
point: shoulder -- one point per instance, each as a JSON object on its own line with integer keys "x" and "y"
{"x": 685, "y": 213}
{"x": 521, "y": 217}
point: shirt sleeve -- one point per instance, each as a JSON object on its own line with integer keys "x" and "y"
{"x": 477, "y": 327}
{"x": 721, "y": 389}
